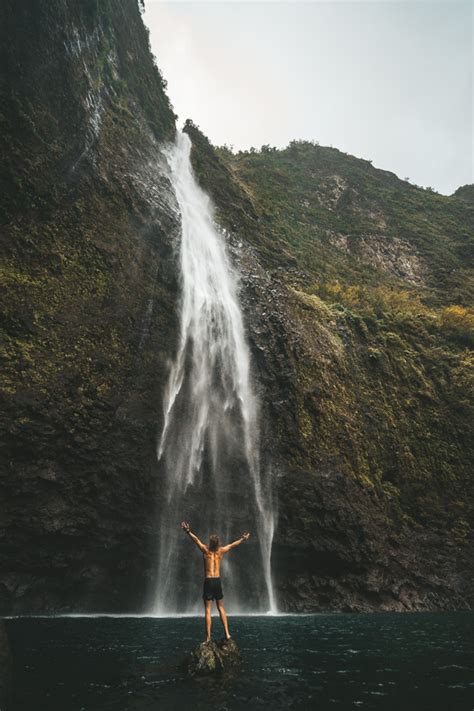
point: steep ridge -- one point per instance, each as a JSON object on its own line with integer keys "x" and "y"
{"x": 356, "y": 290}
{"x": 363, "y": 352}
{"x": 88, "y": 312}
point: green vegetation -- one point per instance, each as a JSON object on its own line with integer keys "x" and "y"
{"x": 380, "y": 291}
{"x": 76, "y": 230}
{"x": 307, "y": 194}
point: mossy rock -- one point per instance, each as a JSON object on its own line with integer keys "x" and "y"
{"x": 211, "y": 657}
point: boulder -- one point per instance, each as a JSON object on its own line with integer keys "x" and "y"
{"x": 209, "y": 657}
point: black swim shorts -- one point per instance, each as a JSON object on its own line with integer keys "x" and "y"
{"x": 212, "y": 589}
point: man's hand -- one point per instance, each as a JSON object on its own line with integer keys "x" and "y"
{"x": 246, "y": 536}
{"x": 185, "y": 526}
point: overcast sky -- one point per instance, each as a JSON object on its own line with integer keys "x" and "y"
{"x": 382, "y": 80}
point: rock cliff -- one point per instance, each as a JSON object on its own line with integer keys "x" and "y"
{"x": 356, "y": 288}
{"x": 88, "y": 315}
{"x": 365, "y": 370}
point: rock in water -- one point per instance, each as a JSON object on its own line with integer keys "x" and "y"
{"x": 209, "y": 657}
{"x": 230, "y": 653}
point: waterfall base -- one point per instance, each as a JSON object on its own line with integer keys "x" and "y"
{"x": 210, "y": 657}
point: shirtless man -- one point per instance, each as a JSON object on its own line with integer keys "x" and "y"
{"x": 212, "y": 556}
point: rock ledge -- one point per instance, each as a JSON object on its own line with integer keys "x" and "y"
{"x": 209, "y": 657}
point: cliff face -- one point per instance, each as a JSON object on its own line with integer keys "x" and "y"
{"x": 355, "y": 287}
{"x": 365, "y": 370}
{"x": 88, "y": 317}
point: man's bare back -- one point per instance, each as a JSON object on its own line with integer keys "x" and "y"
{"x": 212, "y": 562}
{"x": 212, "y": 559}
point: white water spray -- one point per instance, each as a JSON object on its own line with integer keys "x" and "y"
{"x": 210, "y": 441}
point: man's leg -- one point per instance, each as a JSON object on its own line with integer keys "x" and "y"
{"x": 208, "y": 605}
{"x": 223, "y": 616}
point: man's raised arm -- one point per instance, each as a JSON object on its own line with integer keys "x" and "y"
{"x": 186, "y": 527}
{"x": 244, "y": 537}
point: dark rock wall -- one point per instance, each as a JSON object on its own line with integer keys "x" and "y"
{"x": 88, "y": 313}
{"x": 342, "y": 541}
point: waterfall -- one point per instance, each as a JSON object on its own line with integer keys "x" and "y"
{"x": 209, "y": 443}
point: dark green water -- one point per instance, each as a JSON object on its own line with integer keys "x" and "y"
{"x": 382, "y": 661}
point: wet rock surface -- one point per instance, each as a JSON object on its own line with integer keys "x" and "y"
{"x": 95, "y": 219}
{"x": 211, "y": 657}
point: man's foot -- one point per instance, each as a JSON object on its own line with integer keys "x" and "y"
{"x": 206, "y": 641}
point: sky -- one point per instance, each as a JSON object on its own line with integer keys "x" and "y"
{"x": 387, "y": 81}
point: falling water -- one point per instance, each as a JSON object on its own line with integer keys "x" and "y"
{"x": 209, "y": 443}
